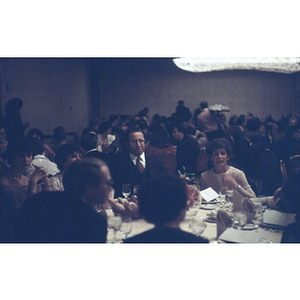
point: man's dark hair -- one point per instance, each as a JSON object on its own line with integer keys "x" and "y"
{"x": 162, "y": 198}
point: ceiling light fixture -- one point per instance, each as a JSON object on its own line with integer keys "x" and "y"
{"x": 285, "y": 65}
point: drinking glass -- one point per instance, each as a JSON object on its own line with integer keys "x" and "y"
{"x": 239, "y": 219}
{"x": 114, "y": 223}
{"x": 222, "y": 194}
{"x": 136, "y": 190}
{"x": 229, "y": 197}
{"x": 198, "y": 225}
{"x": 264, "y": 201}
{"x": 126, "y": 190}
{"x": 257, "y": 218}
{"x": 126, "y": 227}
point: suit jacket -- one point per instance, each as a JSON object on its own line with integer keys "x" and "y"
{"x": 123, "y": 170}
{"x": 166, "y": 235}
{"x": 60, "y": 217}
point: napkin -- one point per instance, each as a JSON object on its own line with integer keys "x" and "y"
{"x": 223, "y": 221}
{"x": 248, "y": 207}
{"x": 237, "y": 201}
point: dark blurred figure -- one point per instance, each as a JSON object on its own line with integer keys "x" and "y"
{"x": 39, "y": 135}
{"x": 12, "y": 122}
{"x": 60, "y": 137}
{"x": 291, "y": 191}
{"x": 183, "y": 112}
{"x": 69, "y": 216}
{"x": 163, "y": 202}
{"x": 187, "y": 151}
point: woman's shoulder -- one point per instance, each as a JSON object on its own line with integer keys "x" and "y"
{"x": 234, "y": 170}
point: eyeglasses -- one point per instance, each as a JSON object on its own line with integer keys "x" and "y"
{"x": 136, "y": 142}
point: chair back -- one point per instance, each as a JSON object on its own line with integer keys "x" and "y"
{"x": 169, "y": 160}
{"x": 202, "y": 161}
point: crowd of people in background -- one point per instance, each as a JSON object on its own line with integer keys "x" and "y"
{"x": 132, "y": 148}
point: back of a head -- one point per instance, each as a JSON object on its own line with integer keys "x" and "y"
{"x": 59, "y": 133}
{"x": 81, "y": 173}
{"x": 37, "y": 146}
{"x": 63, "y": 152}
{"x": 203, "y": 104}
{"x": 162, "y": 198}
{"x": 13, "y": 105}
{"x": 89, "y": 141}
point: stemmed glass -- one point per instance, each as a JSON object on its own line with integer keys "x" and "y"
{"x": 198, "y": 225}
{"x": 114, "y": 223}
{"x": 126, "y": 227}
{"x": 257, "y": 218}
{"x": 126, "y": 190}
{"x": 239, "y": 219}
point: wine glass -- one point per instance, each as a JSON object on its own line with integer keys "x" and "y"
{"x": 198, "y": 225}
{"x": 126, "y": 227}
{"x": 114, "y": 223}
{"x": 239, "y": 219}
{"x": 126, "y": 190}
{"x": 257, "y": 218}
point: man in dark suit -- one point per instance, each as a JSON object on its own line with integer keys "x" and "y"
{"x": 134, "y": 166}
{"x": 69, "y": 216}
{"x": 187, "y": 151}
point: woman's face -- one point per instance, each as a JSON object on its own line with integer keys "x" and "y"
{"x": 22, "y": 161}
{"x": 71, "y": 158}
{"x": 219, "y": 159}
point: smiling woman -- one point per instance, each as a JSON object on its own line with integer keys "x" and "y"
{"x": 221, "y": 174}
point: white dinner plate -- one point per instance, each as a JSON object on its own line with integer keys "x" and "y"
{"x": 248, "y": 227}
{"x": 209, "y": 206}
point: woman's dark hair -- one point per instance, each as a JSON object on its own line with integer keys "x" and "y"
{"x": 35, "y": 131}
{"x": 162, "y": 198}
{"x": 220, "y": 143}
{"x": 17, "y": 148}
{"x": 63, "y": 152}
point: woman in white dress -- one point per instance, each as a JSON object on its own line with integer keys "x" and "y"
{"x": 221, "y": 174}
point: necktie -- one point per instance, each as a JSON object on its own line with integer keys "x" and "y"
{"x": 139, "y": 165}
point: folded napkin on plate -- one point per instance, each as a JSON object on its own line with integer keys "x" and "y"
{"x": 237, "y": 201}
{"x": 224, "y": 221}
{"x": 248, "y": 207}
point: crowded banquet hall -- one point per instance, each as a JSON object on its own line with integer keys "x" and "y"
{"x": 225, "y": 130}
{"x": 129, "y": 152}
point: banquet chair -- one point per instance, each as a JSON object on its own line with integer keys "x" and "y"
{"x": 169, "y": 160}
{"x": 270, "y": 173}
{"x": 202, "y": 161}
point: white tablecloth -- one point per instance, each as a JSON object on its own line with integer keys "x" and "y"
{"x": 140, "y": 225}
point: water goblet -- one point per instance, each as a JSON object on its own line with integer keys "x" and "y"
{"x": 114, "y": 223}
{"x": 239, "y": 219}
{"x": 126, "y": 190}
{"x": 198, "y": 225}
{"x": 257, "y": 218}
{"x": 126, "y": 227}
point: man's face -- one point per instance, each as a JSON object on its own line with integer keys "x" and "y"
{"x": 136, "y": 143}
{"x": 176, "y": 134}
{"x": 99, "y": 194}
